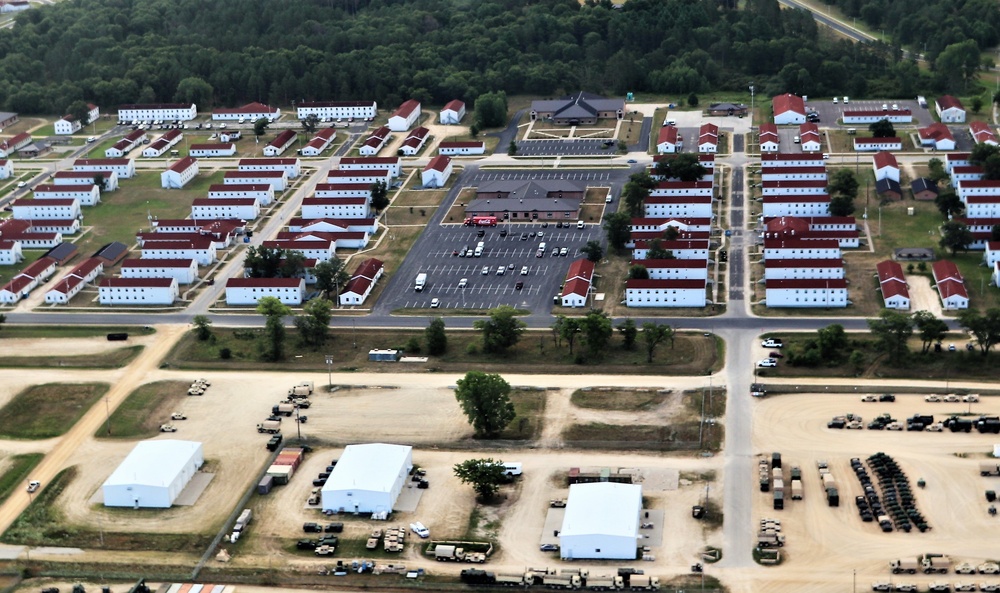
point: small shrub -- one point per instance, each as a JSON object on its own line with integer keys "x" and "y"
{"x": 225, "y": 353}
{"x": 412, "y": 345}
{"x": 472, "y": 349}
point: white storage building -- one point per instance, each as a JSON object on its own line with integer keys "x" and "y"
{"x": 368, "y": 478}
{"x": 601, "y": 521}
{"x": 153, "y": 474}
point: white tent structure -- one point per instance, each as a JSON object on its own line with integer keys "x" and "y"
{"x": 601, "y": 521}
{"x": 153, "y": 474}
{"x": 368, "y": 478}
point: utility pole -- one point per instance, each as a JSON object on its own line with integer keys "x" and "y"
{"x": 329, "y": 372}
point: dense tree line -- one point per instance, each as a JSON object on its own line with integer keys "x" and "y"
{"x": 227, "y": 52}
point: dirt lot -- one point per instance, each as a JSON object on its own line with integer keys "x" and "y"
{"x": 836, "y": 538}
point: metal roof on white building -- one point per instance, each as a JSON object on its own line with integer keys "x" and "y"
{"x": 604, "y": 508}
{"x": 373, "y": 467}
{"x": 153, "y": 463}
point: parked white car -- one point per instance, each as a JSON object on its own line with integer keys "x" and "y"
{"x": 420, "y": 530}
{"x": 767, "y": 362}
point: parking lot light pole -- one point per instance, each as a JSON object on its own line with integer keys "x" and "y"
{"x": 329, "y": 372}
{"x": 751, "y": 105}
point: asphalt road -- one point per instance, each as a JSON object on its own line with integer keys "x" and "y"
{"x": 842, "y": 28}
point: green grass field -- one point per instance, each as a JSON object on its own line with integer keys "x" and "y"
{"x": 48, "y": 410}
{"x": 125, "y": 211}
{"x": 16, "y": 473}
{"x": 142, "y": 412}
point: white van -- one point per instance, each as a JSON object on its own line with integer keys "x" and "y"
{"x": 580, "y": 224}
{"x": 542, "y": 245}
{"x": 512, "y": 469}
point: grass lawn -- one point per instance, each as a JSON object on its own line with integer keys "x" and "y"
{"x": 7, "y": 273}
{"x": 48, "y": 410}
{"x": 141, "y": 414}
{"x": 123, "y": 212}
{"x": 409, "y": 216}
{"x": 68, "y": 331}
{"x": 671, "y": 436}
{"x": 16, "y": 472}
{"x": 529, "y": 405}
{"x": 111, "y": 359}
{"x": 42, "y": 523}
{"x": 425, "y": 198}
{"x": 692, "y": 354}
{"x": 627, "y": 400}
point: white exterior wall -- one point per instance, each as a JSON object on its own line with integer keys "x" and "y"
{"x": 64, "y": 127}
{"x": 802, "y": 273}
{"x": 983, "y": 210}
{"x": 138, "y": 295}
{"x": 897, "y": 302}
{"x": 147, "y": 495}
{"x": 291, "y": 169}
{"x": 181, "y": 275}
{"x": 362, "y": 111}
{"x": 896, "y": 117}
{"x": 250, "y": 296}
{"x": 336, "y": 211}
{"x": 49, "y": 212}
{"x": 665, "y": 297}
{"x": 789, "y": 117}
{"x": 952, "y": 115}
{"x": 11, "y": 256}
{"x": 222, "y": 151}
{"x": 795, "y": 209}
{"x": 990, "y": 258}
{"x": 801, "y": 253}
{"x": 265, "y": 197}
{"x": 278, "y": 183}
{"x": 699, "y": 273}
{"x": 248, "y": 212}
{"x": 435, "y": 178}
{"x": 7, "y": 169}
{"x": 877, "y": 146}
{"x": 688, "y": 210}
{"x": 955, "y": 301}
{"x": 177, "y": 180}
{"x": 87, "y": 197}
{"x": 806, "y": 297}
{"x": 394, "y": 167}
{"x": 450, "y": 116}
{"x": 124, "y": 171}
{"x": 401, "y": 124}
{"x": 887, "y": 173}
{"x": 181, "y": 114}
{"x": 460, "y": 150}
{"x": 204, "y": 257}
{"x": 678, "y": 253}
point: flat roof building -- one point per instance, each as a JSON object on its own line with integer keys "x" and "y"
{"x": 368, "y": 478}
{"x": 153, "y": 474}
{"x": 601, "y": 521}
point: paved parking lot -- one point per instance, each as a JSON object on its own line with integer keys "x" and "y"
{"x": 568, "y": 147}
{"x": 830, "y": 114}
{"x": 487, "y": 290}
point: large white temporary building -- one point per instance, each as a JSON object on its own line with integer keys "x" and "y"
{"x": 153, "y": 474}
{"x": 601, "y": 521}
{"x": 368, "y": 478}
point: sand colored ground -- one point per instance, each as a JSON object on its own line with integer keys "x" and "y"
{"x": 834, "y": 541}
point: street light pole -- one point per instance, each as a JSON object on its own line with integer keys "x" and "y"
{"x": 329, "y": 372}
{"x": 751, "y": 106}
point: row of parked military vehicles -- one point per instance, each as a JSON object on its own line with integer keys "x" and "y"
{"x": 939, "y": 564}
{"x": 918, "y": 423}
{"x": 298, "y": 399}
{"x": 566, "y": 578}
{"x": 896, "y": 508}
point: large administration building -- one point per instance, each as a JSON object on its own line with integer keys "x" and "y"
{"x": 368, "y": 478}
{"x": 601, "y": 521}
{"x": 153, "y": 474}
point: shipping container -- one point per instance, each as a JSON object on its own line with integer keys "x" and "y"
{"x": 265, "y": 484}
{"x": 281, "y": 473}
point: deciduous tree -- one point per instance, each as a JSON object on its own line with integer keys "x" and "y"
{"x": 597, "y": 330}
{"x": 955, "y": 235}
{"x": 629, "y": 333}
{"x": 616, "y": 227}
{"x": 331, "y": 276}
{"x": 314, "y": 324}
{"x": 436, "y": 338}
{"x": 883, "y": 128}
{"x": 653, "y": 334}
{"x": 984, "y": 327}
{"x": 484, "y": 475}
{"x": 593, "y": 251}
{"x": 202, "y": 327}
{"x": 502, "y": 330}
{"x": 272, "y": 345}
{"x": 380, "y": 196}
{"x": 485, "y": 400}
{"x": 892, "y": 329}
{"x": 932, "y": 330}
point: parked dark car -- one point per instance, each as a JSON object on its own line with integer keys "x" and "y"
{"x": 312, "y": 528}
{"x": 305, "y": 544}
{"x": 887, "y": 397}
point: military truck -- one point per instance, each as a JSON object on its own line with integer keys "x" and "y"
{"x": 770, "y": 539}
{"x": 605, "y": 583}
{"x": 283, "y": 409}
{"x": 269, "y": 426}
{"x": 243, "y": 520}
{"x": 303, "y": 388}
{"x": 936, "y": 563}
{"x": 907, "y": 565}
{"x": 640, "y": 582}
{"x": 989, "y": 468}
{"x": 445, "y": 553}
{"x": 558, "y": 581}
{"x": 513, "y": 580}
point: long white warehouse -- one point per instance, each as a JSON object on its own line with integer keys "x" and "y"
{"x": 153, "y": 475}
{"x": 368, "y": 478}
{"x": 601, "y": 521}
